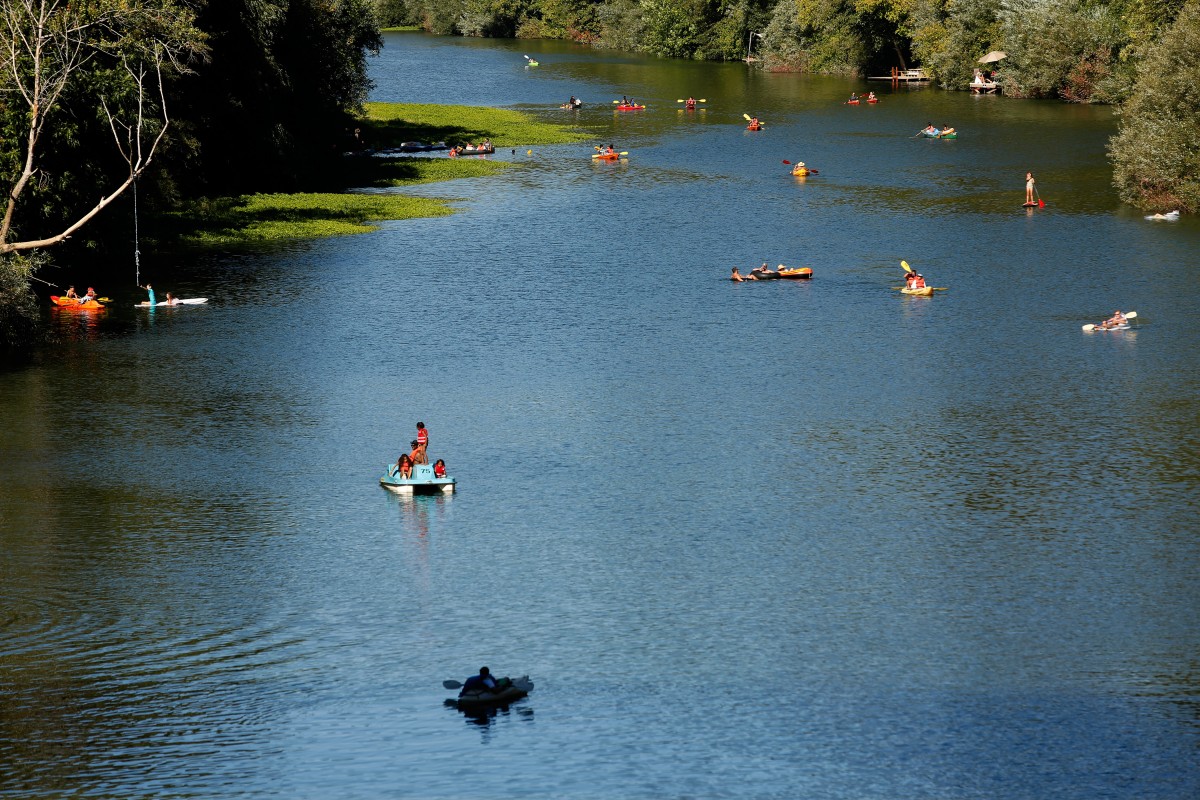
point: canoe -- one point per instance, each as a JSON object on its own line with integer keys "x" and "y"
{"x": 519, "y": 688}
{"x": 76, "y": 305}
{"x": 630, "y": 108}
{"x": 924, "y": 291}
{"x": 421, "y": 482}
{"x": 796, "y": 274}
{"x": 178, "y": 301}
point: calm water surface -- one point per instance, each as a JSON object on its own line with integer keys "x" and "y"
{"x": 770, "y": 540}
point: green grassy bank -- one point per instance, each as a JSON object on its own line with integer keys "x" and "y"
{"x": 316, "y": 214}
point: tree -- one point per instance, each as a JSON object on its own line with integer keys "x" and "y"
{"x": 121, "y": 49}
{"x": 1156, "y": 152}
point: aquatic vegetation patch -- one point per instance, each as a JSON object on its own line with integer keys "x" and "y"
{"x": 314, "y": 215}
{"x": 389, "y": 124}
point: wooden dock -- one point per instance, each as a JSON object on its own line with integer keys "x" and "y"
{"x": 902, "y": 76}
{"x": 989, "y": 87}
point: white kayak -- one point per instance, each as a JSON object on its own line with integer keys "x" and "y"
{"x": 1124, "y": 326}
{"x": 186, "y": 301}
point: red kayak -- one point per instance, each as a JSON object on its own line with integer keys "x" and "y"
{"x": 754, "y": 127}
{"x": 630, "y": 108}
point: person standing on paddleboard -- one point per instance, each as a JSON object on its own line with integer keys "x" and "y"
{"x": 1029, "y": 182}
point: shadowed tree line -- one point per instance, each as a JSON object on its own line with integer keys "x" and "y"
{"x": 176, "y": 99}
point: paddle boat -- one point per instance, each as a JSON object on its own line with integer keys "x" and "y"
{"x": 623, "y": 107}
{"x": 478, "y": 700}
{"x": 75, "y": 304}
{"x": 801, "y": 273}
{"x": 423, "y": 481}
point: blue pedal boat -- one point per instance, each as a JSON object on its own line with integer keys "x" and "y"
{"x": 421, "y": 482}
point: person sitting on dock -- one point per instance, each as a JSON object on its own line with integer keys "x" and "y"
{"x": 404, "y": 467}
{"x": 439, "y": 468}
{"x": 418, "y": 453}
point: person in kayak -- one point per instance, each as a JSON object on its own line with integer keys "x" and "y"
{"x": 871, "y": 98}
{"x": 736, "y": 276}
{"x": 484, "y": 682}
{"x": 91, "y": 295}
{"x": 70, "y": 295}
{"x": 918, "y": 281}
{"x": 691, "y": 102}
{"x": 439, "y": 469}
{"x": 1115, "y": 321}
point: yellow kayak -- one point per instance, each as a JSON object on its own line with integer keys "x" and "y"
{"x": 924, "y": 291}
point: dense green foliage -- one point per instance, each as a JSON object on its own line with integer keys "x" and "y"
{"x": 1156, "y": 153}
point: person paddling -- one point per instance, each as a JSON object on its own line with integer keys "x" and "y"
{"x": 484, "y": 682}
{"x": 1115, "y": 321}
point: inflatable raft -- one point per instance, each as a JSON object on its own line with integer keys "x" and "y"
{"x": 71, "y": 302}
{"x": 471, "y": 701}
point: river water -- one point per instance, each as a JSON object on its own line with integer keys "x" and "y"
{"x": 761, "y": 540}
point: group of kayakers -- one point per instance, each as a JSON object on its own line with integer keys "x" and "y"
{"x": 485, "y": 146}
{"x": 933, "y": 131}
{"x": 417, "y": 455}
{"x": 761, "y": 273}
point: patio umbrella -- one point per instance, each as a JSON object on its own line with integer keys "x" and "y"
{"x": 995, "y": 55}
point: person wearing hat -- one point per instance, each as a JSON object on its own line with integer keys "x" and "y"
{"x": 418, "y": 453}
{"x": 918, "y": 281}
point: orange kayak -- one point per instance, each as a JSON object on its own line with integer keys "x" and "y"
{"x": 754, "y": 127}
{"x": 607, "y": 156}
{"x": 71, "y": 302}
{"x": 796, "y": 274}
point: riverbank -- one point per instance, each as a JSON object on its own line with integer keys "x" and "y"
{"x": 224, "y": 221}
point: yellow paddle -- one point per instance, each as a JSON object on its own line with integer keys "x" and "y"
{"x": 701, "y": 100}
{"x": 904, "y": 264}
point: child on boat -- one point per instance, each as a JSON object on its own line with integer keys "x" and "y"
{"x": 403, "y": 466}
{"x": 439, "y": 468}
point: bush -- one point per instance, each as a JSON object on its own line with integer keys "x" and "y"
{"x": 1156, "y": 152}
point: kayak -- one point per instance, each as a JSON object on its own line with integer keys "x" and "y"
{"x": 796, "y": 274}
{"x": 72, "y": 303}
{"x": 629, "y": 108}
{"x": 754, "y": 127}
{"x": 1123, "y": 327}
{"x": 851, "y": 102}
{"x": 190, "y": 301}
{"x": 924, "y": 291}
{"x": 801, "y": 171}
{"x": 532, "y": 63}
{"x": 520, "y": 687}
{"x": 607, "y": 156}
{"x": 873, "y": 100}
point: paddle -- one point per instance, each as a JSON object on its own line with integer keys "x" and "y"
{"x": 1041, "y": 202}
{"x": 810, "y": 169}
{"x": 1090, "y": 327}
{"x": 701, "y": 100}
{"x": 904, "y": 264}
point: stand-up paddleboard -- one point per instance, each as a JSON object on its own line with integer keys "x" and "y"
{"x": 186, "y": 301}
